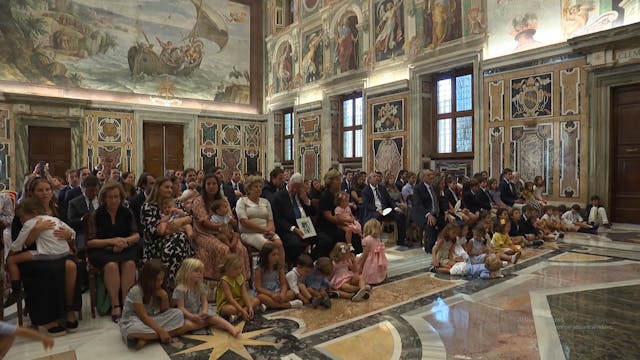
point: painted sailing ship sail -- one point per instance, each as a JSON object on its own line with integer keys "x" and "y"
{"x": 209, "y": 25}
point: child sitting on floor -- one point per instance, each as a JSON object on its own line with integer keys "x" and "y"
{"x": 345, "y": 277}
{"x": 232, "y": 297}
{"x": 318, "y": 283}
{"x": 574, "y": 221}
{"x": 501, "y": 242}
{"x": 170, "y": 213}
{"x": 596, "y": 214}
{"x": 190, "y": 296}
{"x": 295, "y": 278}
{"x": 477, "y": 247}
{"x": 443, "y": 249}
{"x": 9, "y": 332}
{"x": 271, "y": 283}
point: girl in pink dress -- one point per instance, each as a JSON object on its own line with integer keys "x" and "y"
{"x": 373, "y": 262}
{"x": 348, "y": 283}
{"x": 343, "y": 211}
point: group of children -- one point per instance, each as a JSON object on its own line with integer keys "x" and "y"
{"x": 148, "y": 313}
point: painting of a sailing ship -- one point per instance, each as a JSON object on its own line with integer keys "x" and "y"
{"x": 200, "y": 47}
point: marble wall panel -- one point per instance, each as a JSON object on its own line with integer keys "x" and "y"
{"x": 310, "y": 161}
{"x": 455, "y": 167}
{"x": 231, "y": 145}
{"x": 6, "y": 149}
{"x": 388, "y": 154}
{"x": 496, "y": 151}
{"x": 569, "y": 159}
{"x": 278, "y": 120}
{"x": 532, "y": 152}
{"x": 309, "y": 127}
{"x": 570, "y": 86}
{"x": 334, "y": 104}
{"x": 109, "y": 140}
{"x": 531, "y": 96}
{"x": 496, "y": 101}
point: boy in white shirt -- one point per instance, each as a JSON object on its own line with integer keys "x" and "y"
{"x": 295, "y": 278}
{"x": 48, "y": 245}
{"x": 574, "y": 221}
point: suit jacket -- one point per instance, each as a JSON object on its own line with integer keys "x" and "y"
{"x": 240, "y": 186}
{"x": 283, "y": 215}
{"x": 269, "y": 191}
{"x": 506, "y": 194}
{"x": 345, "y": 188}
{"x": 526, "y": 226}
{"x": 62, "y": 198}
{"x": 230, "y": 194}
{"x": 72, "y": 194}
{"x": 470, "y": 201}
{"x": 77, "y": 208}
{"x": 368, "y": 206}
{"x": 482, "y": 198}
{"x": 449, "y": 195}
{"x": 422, "y": 203}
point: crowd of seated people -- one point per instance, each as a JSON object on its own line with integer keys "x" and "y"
{"x": 212, "y": 221}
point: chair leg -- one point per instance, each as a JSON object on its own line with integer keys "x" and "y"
{"x": 92, "y": 293}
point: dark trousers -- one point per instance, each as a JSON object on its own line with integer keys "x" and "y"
{"x": 430, "y": 235}
{"x": 326, "y": 240}
{"x": 293, "y": 246}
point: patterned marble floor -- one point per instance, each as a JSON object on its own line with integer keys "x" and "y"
{"x": 560, "y": 301}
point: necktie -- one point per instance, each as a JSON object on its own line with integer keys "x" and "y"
{"x": 489, "y": 196}
{"x": 434, "y": 203}
{"x": 296, "y": 209}
{"x": 378, "y": 194}
{"x": 91, "y": 208}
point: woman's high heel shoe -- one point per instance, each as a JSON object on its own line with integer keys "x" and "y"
{"x": 116, "y": 317}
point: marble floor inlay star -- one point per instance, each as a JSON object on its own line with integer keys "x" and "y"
{"x": 222, "y": 341}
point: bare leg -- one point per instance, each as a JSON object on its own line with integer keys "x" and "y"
{"x": 14, "y": 260}
{"x": 112, "y": 284}
{"x": 278, "y": 244}
{"x": 70, "y": 286}
{"x": 349, "y": 288}
{"x": 5, "y": 344}
{"x": 272, "y": 304}
{"x": 223, "y": 324}
{"x": 127, "y": 276}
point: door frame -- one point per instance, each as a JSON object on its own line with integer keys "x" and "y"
{"x": 22, "y": 141}
{"x": 189, "y": 124}
{"x": 600, "y": 130}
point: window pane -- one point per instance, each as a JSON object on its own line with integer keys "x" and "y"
{"x": 358, "y": 143}
{"x": 287, "y": 150}
{"x": 347, "y": 112}
{"x": 347, "y": 144}
{"x": 464, "y": 134}
{"x": 444, "y": 136}
{"x": 287, "y": 124}
{"x": 359, "y": 111}
{"x": 463, "y": 93}
{"x": 444, "y": 96}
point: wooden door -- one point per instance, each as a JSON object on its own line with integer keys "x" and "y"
{"x": 163, "y": 147}
{"x": 625, "y": 192}
{"x": 52, "y": 145}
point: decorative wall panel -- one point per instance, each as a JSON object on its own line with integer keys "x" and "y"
{"x": 544, "y": 126}
{"x": 455, "y": 167}
{"x": 335, "y": 129}
{"x": 496, "y": 101}
{"x": 387, "y": 124}
{"x": 310, "y": 161}
{"x": 531, "y": 96}
{"x": 109, "y": 140}
{"x": 308, "y": 139}
{"x": 233, "y": 145}
{"x": 496, "y": 151}
{"x": 570, "y": 91}
{"x": 278, "y": 119}
{"x": 388, "y": 155}
{"x": 569, "y": 159}
{"x": 532, "y": 152}
{"x": 6, "y": 149}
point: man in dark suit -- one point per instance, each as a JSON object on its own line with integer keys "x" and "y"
{"x": 234, "y": 183}
{"x": 82, "y": 174}
{"x": 226, "y": 188}
{"x": 426, "y": 209}
{"x": 507, "y": 190}
{"x": 288, "y": 205}
{"x": 482, "y": 196}
{"x": 470, "y": 197}
{"x": 275, "y": 184}
{"x": 375, "y": 198}
{"x": 82, "y": 205}
{"x": 347, "y": 183}
{"x": 72, "y": 182}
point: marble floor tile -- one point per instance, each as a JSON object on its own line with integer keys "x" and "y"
{"x": 382, "y": 297}
{"x": 577, "y": 257}
{"x": 358, "y": 345}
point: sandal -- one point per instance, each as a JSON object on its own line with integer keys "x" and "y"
{"x": 116, "y": 317}
{"x": 71, "y": 325}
